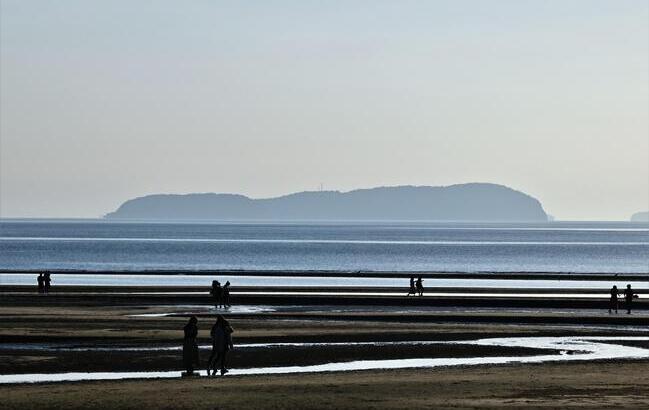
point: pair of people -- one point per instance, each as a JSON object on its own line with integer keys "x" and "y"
{"x": 220, "y": 294}
{"x": 628, "y": 299}
{"x": 44, "y": 282}
{"x": 416, "y": 287}
{"x": 221, "y": 343}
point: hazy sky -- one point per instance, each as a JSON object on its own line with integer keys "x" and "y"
{"x": 102, "y": 101}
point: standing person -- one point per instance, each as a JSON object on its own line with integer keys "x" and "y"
{"x": 190, "y": 347}
{"x": 221, "y": 343}
{"x": 48, "y": 281}
{"x": 226, "y": 294}
{"x": 628, "y": 298}
{"x": 228, "y": 344}
{"x": 217, "y": 335}
{"x": 613, "y": 301}
{"x": 217, "y": 294}
{"x": 420, "y": 286}
{"x": 41, "y": 283}
{"x": 412, "y": 290}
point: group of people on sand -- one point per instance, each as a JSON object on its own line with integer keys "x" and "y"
{"x": 628, "y": 299}
{"x": 221, "y": 335}
{"x": 416, "y": 286}
{"x": 220, "y": 294}
{"x": 44, "y": 281}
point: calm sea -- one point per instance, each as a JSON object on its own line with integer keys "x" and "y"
{"x": 440, "y": 247}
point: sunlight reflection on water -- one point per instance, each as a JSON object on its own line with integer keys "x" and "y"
{"x": 571, "y": 349}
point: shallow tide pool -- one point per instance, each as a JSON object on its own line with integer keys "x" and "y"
{"x": 571, "y": 349}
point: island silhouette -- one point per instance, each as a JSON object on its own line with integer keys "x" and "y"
{"x": 472, "y": 202}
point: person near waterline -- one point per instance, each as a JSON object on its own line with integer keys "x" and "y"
{"x": 217, "y": 293}
{"x": 628, "y": 299}
{"x": 190, "y": 347}
{"x": 412, "y": 290}
{"x": 48, "y": 282}
{"x": 613, "y": 301}
{"x": 215, "y": 333}
{"x": 420, "y": 286}
{"x": 226, "y": 294}
{"x": 221, "y": 343}
{"x": 41, "y": 283}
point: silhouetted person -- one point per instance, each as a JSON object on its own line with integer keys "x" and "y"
{"x": 217, "y": 294}
{"x": 420, "y": 286}
{"x": 226, "y": 294}
{"x": 628, "y": 299}
{"x": 190, "y": 347}
{"x": 215, "y": 333}
{"x": 221, "y": 343}
{"x": 412, "y": 290}
{"x": 613, "y": 301}
{"x": 41, "y": 283}
{"x": 48, "y": 281}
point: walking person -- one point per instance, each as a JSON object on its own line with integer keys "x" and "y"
{"x": 226, "y": 294}
{"x": 221, "y": 343}
{"x": 412, "y": 291}
{"x": 613, "y": 300}
{"x": 190, "y": 347}
{"x": 420, "y": 286}
{"x": 628, "y": 298}
{"x": 217, "y": 293}
{"x": 41, "y": 283}
{"x": 48, "y": 282}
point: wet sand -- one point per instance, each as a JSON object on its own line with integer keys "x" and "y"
{"x": 57, "y": 339}
{"x": 281, "y": 296}
{"x": 65, "y": 328}
{"x": 570, "y": 385}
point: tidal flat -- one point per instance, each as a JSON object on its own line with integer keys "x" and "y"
{"x": 92, "y": 339}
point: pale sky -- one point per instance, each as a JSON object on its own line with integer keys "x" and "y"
{"x": 103, "y": 101}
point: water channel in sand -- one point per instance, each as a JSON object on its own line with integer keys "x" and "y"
{"x": 571, "y": 349}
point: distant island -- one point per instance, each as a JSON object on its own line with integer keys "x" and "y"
{"x": 464, "y": 202}
{"x": 640, "y": 217}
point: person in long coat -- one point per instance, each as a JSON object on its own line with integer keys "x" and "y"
{"x": 221, "y": 343}
{"x": 190, "y": 347}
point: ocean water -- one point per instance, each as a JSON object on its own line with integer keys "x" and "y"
{"x": 437, "y": 247}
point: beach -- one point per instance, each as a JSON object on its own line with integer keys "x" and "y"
{"x": 336, "y": 355}
{"x": 576, "y": 385}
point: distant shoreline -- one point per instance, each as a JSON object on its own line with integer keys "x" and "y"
{"x": 639, "y": 276}
{"x": 556, "y": 222}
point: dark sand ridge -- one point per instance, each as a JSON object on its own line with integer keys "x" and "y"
{"x": 393, "y": 291}
{"x": 111, "y": 296}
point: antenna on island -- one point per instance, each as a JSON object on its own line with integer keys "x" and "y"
{"x": 321, "y": 186}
